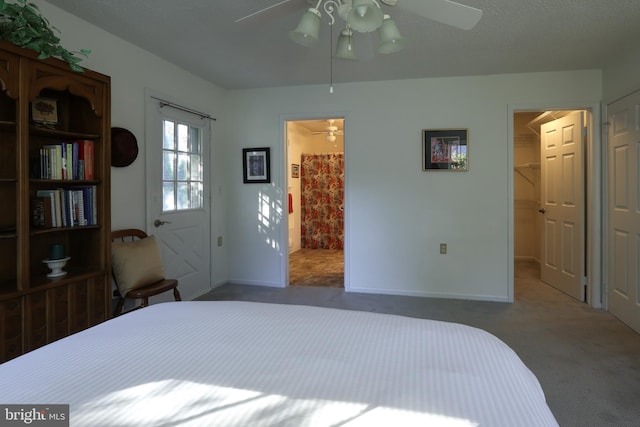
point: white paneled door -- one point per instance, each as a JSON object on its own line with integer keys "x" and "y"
{"x": 624, "y": 209}
{"x": 178, "y": 211}
{"x": 562, "y": 204}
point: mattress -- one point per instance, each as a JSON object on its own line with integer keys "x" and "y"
{"x": 231, "y": 363}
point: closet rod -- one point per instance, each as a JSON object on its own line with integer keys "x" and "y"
{"x": 164, "y": 103}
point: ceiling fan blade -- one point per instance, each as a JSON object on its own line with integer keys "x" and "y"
{"x": 251, "y": 15}
{"x": 444, "y": 11}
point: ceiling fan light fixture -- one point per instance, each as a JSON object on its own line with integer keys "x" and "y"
{"x": 331, "y": 137}
{"x": 308, "y": 30}
{"x": 365, "y": 16}
{"x": 344, "y": 46}
{"x": 390, "y": 38}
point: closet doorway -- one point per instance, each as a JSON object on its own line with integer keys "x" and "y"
{"x": 315, "y": 183}
{"x": 550, "y": 181}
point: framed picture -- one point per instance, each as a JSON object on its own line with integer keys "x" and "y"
{"x": 445, "y": 149}
{"x": 295, "y": 171}
{"x": 255, "y": 165}
{"x": 44, "y": 111}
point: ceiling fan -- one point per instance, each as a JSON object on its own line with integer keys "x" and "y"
{"x": 331, "y": 131}
{"x": 364, "y": 16}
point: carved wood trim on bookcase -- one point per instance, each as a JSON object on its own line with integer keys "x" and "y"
{"x": 44, "y": 76}
{"x": 9, "y": 65}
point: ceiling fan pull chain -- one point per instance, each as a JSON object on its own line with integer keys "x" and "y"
{"x": 331, "y": 55}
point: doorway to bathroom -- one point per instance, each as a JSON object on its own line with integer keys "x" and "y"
{"x": 315, "y": 183}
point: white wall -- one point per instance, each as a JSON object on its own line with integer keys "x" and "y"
{"x": 622, "y": 76}
{"x": 396, "y": 214}
{"x": 132, "y": 70}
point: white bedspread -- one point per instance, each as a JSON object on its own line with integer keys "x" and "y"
{"x": 254, "y": 364}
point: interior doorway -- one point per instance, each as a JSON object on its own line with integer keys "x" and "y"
{"x": 550, "y": 192}
{"x": 315, "y": 185}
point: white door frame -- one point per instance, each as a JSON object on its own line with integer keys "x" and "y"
{"x": 284, "y": 182}
{"x": 594, "y": 179}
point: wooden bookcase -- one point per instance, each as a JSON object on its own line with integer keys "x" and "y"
{"x": 36, "y": 309}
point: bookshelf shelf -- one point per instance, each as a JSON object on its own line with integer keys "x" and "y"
{"x": 51, "y": 230}
{"x": 60, "y": 134}
{"x": 33, "y": 183}
{"x": 42, "y": 282}
{"x": 60, "y": 182}
{"x": 8, "y": 235}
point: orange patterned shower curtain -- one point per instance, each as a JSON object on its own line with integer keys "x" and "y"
{"x": 322, "y": 204}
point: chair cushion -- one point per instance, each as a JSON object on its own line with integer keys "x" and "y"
{"x": 136, "y": 264}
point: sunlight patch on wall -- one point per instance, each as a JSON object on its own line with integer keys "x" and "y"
{"x": 269, "y": 218}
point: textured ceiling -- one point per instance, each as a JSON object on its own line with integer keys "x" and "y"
{"x": 512, "y": 36}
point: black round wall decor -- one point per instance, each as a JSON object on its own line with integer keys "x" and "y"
{"x": 124, "y": 147}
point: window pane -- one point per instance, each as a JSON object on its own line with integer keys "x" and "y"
{"x": 196, "y": 168}
{"x": 168, "y": 135}
{"x": 195, "y": 141}
{"x": 183, "y": 195}
{"x": 183, "y": 167}
{"x": 183, "y": 137}
{"x": 168, "y": 172}
{"x": 196, "y": 195}
{"x": 168, "y": 197}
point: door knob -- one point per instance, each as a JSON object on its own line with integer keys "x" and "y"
{"x": 158, "y": 223}
{"x": 542, "y": 210}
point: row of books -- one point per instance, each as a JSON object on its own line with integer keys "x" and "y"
{"x": 67, "y": 161}
{"x": 68, "y": 207}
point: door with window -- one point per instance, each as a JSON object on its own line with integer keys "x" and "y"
{"x": 178, "y": 210}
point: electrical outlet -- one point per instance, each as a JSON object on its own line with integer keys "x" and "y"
{"x": 443, "y": 248}
{"x": 219, "y": 240}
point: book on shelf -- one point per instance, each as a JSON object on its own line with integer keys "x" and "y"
{"x": 88, "y": 150}
{"x": 67, "y": 160}
{"x": 51, "y": 197}
{"x": 74, "y": 162}
{"x": 41, "y": 212}
{"x": 67, "y": 207}
{"x": 89, "y": 204}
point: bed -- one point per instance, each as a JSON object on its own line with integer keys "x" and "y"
{"x": 233, "y": 363}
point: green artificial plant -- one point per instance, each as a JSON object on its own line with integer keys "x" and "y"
{"x": 22, "y": 24}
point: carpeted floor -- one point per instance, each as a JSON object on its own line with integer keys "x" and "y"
{"x": 586, "y": 360}
{"x": 317, "y": 267}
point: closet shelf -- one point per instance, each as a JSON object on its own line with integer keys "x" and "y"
{"x": 528, "y": 166}
{"x": 520, "y": 168}
{"x": 545, "y": 117}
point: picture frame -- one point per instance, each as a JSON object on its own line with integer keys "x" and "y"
{"x": 445, "y": 150}
{"x": 44, "y": 111}
{"x": 295, "y": 171}
{"x": 256, "y": 165}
